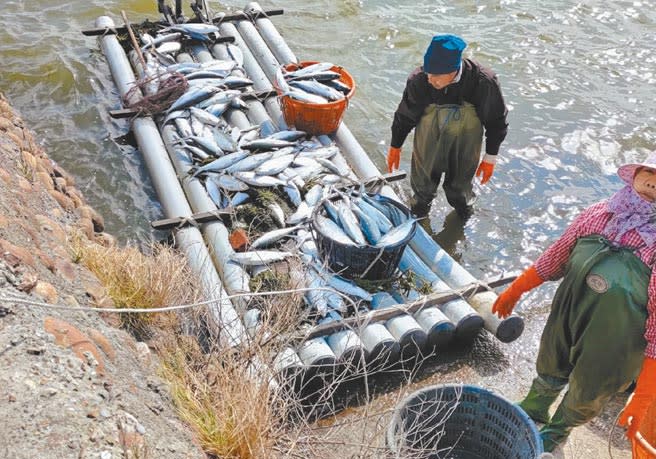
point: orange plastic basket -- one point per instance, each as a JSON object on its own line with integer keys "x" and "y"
{"x": 644, "y": 443}
{"x": 316, "y": 119}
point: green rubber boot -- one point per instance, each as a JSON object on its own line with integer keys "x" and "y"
{"x": 539, "y": 399}
{"x": 556, "y": 431}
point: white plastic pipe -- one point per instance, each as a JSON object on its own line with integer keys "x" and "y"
{"x": 227, "y": 325}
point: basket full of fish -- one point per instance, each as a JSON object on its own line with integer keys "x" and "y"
{"x": 362, "y": 235}
{"x": 314, "y": 95}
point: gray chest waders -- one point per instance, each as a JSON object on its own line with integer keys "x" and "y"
{"x": 448, "y": 140}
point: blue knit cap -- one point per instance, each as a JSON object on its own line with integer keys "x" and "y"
{"x": 444, "y": 54}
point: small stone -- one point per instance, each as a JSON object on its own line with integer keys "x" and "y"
{"x": 28, "y": 282}
{"x": 60, "y": 184}
{"x": 93, "y": 413}
{"x": 51, "y": 391}
{"x": 105, "y": 455}
{"x": 10, "y": 250}
{"x": 66, "y": 270}
{"x": 35, "y": 350}
{"x": 47, "y": 291}
{"x": 143, "y": 351}
{"x": 46, "y": 180}
{"x": 141, "y": 429}
{"x": 64, "y": 201}
{"x": 30, "y": 384}
{"x": 105, "y": 413}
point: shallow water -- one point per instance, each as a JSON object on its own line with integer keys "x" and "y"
{"x": 578, "y": 78}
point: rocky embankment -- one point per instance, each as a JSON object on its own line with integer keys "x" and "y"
{"x": 71, "y": 385}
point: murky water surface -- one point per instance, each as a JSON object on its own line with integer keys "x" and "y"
{"x": 578, "y": 78}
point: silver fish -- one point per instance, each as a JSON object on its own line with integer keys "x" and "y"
{"x": 314, "y": 195}
{"x": 266, "y": 144}
{"x": 221, "y": 163}
{"x": 292, "y": 192}
{"x": 229, "y": 183}
{"x": 192, "y": 97}
{"x": 396, "y": 234}
{"x": 277, "y": 213}
{"x": 303, "y": 96}
{"x": 249, "y": 163}
{"x": 260, "y": 257}
{"x": 312, "y": 68}
{"x": 275, "y": 165}
{"x": 349, "y": 222}
{"x": 267, "y": 239}
{"x": 314, "y": 87}
{"x": 171, "y": 47}
{"x": 323, "y": 152}
{"x": 258, "y": 180}
{"x": 303, "y": 213}
{"x": 215, "y": 193}
{"x": 369, "y": 227}
{"x": 332, "y": 230}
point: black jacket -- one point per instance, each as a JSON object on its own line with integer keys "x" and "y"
{"x": 478, "y": 85}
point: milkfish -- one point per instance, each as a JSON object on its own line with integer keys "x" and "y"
{"x": 153, "y": 42}
{"x": 314, "y": 87}
{"x": 312, "y": 68}
{"x": 214, "y": 193}
{"x": 253, "y": 179}
{"x": 342, "y": 285}
{"x": 396, "y": 234}
{"x": 305, "y": 97}
{"x": 332, "y": 230}
{"x": 259, "y": 257}
{"x": 199, "y": 32}
{"x": 266, "y": 144}
{"x": 349, "y": 222}
{"x": 221, "y": 163}
{"x": 303, "y": 213}
{"x": 229, "y": 183}
{"x": 192, "y": 97}
{"x": 269, "y": 238}
{"x": 274, "y": 165}
{"x": 249, "y": 163}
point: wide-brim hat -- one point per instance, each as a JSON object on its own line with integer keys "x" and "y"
{"x": 628, "y": 171}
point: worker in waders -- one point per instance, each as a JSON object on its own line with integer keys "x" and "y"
{"x": 450, "y": 101}
{"x": 601, "y": 333}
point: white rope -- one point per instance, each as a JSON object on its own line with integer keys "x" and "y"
{"x": 6, "y": 296}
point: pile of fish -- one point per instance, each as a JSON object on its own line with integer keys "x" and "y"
{"x": 363, "y": 220}
{"x": 235, "y": 166}
{"x": 314, "y": 84}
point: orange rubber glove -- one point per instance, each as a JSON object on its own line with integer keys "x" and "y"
{"x": 393, "y": 159}
{"x": 507, "y": 300}
{"x": 486, "y": 168}
{"x": 642, "y": 398}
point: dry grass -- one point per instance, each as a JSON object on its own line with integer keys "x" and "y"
{"x": 137, "y": 280}
{"x": 232, "y": 399}
{"x": 229, "y": 410}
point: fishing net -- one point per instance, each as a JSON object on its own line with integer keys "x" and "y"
{"x": 170, "y": 88}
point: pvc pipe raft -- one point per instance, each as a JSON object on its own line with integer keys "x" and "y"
{"x": 227, "y": 324}
{"x": 505, "y": 330}
{"x": 234, "y": 277}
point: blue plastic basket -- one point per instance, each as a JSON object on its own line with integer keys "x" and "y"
{"x": 462, "y": 422}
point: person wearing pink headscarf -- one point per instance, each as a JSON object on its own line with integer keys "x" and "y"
{"x": 601, "y": 332}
